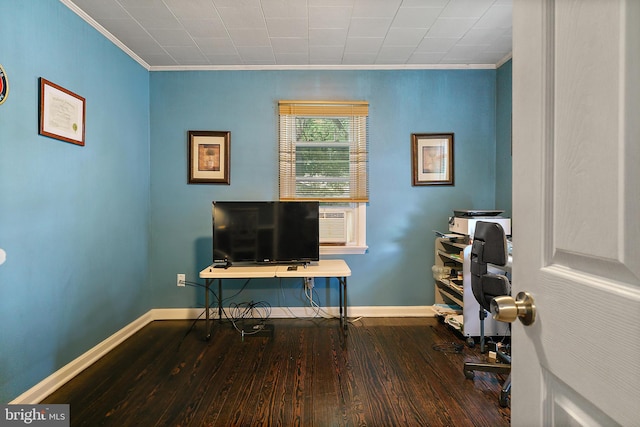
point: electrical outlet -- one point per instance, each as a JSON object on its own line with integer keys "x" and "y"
{"x": 180, "y": 280}
{"x": 308, "y": 282}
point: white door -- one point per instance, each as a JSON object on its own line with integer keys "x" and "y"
{"x": 576, "y": 211}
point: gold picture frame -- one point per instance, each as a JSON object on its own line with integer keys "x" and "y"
{"x": 432, "y": 158}
{"x": 208, "y": 157}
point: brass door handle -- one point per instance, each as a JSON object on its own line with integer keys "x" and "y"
{"x": 507, "y": 309}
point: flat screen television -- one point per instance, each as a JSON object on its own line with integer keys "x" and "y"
{"x": 265, "y": 232}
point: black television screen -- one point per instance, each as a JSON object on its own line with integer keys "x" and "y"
{"x": 265, "y": 232}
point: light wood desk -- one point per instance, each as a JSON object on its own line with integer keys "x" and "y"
{"x": 324, "y": 268}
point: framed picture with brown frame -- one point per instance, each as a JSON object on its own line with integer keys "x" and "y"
{"x": 62, "y": 113}
{"x": 208, "y": 157}
{"x": 432, "y": 158}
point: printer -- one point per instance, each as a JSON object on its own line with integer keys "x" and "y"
{"x": 464, "y": 221}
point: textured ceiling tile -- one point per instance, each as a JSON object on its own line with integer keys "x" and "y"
{"x": 394, "y": 54}
{"x": 204, "y": 28}
{"x": 287, "y": 27}
{"x": 172, "y": 37}
{"x": 450, "y": 27}
{"x": 329, "y": 17}
{"x": 107, "y": 9}
{"x": 441, "y": 44}
{"x": 466, "y": 8}
{"x": 124, "y": 29}
{"x": 327, "y": 37}
{"x": 375, "y": 8}
{"x": 498, "y": 16}
{"x": 285, "y": 32}
{"x": 293, "y": 58}
{"x": 256, "y": 54}
{"x": 326, "y": 54}
{"x": 146, "y": 46}
{"x": 405, "y": 36}
{"x": 224, "y": 59}
{"x": 284, "y": 9}
{"x": 160, "y": 60}
{"x": 425, "y": 3}
{"x": 290, "y": 45}
{"x": 367, "y": 45}
{"x": 152, "y": 18}
{"x": 480, "y": 36}
{"x": 235, "y": 17}
{"x": 330, "y": 3}
{"x": 250, "y": 37}
{"x": 416, "y": 17}
{"x": 359, "y": 58}
{"x": 188, "y": 54}
{"x": 216, "y": 46}
{"x": 192, "y": 9}
{"x": 369, "y": 27}
{"x": 235, "y": 3}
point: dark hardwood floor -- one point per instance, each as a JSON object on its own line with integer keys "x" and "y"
{"x": 384, "y": 372}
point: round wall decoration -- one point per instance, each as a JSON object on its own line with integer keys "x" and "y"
{"x": 4, "y": 85}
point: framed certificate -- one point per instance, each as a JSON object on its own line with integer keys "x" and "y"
{"x": 62, "y": 113}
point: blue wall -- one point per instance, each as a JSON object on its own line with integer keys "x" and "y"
{"x": 503, "y": 139}
{"x": 396, "y": 270}
{"x": 95, "y": 235}
{"x": 74, "y": 220}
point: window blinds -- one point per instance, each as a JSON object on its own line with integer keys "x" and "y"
{"x": 323, "y": 151}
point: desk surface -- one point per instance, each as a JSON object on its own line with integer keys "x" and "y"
{"x": 323, "y": 268}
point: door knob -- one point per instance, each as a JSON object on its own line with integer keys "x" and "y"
{"x": 507, "y": 309}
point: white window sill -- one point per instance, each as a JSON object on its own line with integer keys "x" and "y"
{"x": 343, "y": 250}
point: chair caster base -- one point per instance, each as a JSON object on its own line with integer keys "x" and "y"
{"x": 503, "y": 400}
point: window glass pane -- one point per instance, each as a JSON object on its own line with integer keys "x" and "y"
{"x": 323, "y": 151}
{"x": 322, "y": 156}
{"x": 322, "y": 129}
{"x": 322, "y": 161}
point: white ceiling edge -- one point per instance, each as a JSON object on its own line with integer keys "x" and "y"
{"x": 88, "y": 19}
{"x": 323, "y": 67}
{"x": 504, "y": 60}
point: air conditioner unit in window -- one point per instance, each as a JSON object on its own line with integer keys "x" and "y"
{"x": 333, "y": 226}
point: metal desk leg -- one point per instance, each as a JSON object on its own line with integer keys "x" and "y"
{"x": 340, "y": 301}
{"x": 219, "y": 299}
{"x": 206, "y": 308}
{"x": 343, "y": 302}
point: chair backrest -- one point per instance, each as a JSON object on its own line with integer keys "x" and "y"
{"x": 489, "y": 247}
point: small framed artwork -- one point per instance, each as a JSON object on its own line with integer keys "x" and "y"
{"x": 209, "y": 157}
{"x": 62, "y": 113}
{"x": 432, "y": 158}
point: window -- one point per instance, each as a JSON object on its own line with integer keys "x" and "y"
{"x": 323, "y": 155}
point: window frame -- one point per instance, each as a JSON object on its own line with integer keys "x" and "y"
{"x": 357, "y": 113}
{"x": 359, "y": 244}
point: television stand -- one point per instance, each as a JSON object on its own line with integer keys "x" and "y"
{"x": 324, "y": 268}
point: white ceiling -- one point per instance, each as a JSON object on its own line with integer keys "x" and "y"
{"x": 213, "y": 34}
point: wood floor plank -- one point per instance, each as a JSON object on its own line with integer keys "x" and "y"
{"x": 385, "y": 371}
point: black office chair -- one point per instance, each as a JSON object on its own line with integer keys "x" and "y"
{"x": 489, "y": 247}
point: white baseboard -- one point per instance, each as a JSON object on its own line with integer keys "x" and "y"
{"x": 293, "y": 312}
{"x": 54, "y": 381}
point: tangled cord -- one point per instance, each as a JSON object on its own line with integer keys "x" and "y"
{"x": 249, "y": 311}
